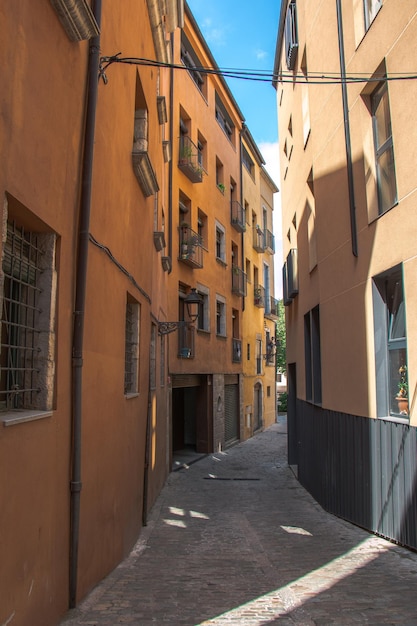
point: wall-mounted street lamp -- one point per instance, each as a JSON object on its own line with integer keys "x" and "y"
{"x": 192, "y": 302}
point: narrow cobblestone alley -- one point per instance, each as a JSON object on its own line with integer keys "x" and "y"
{"x": 234, "y": 539}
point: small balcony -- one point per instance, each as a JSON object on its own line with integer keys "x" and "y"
{"x": 238, "y": 281}
{"x": 238, "y": 216}
{"x": 271, "y": 310}
{"x": 259, "y": 296}
{"x": 269, "y": 242}
{"x": 258, "y": 239}
{"x": 186, "y": 348}
{"x": 270, "y": 359}
{"x": 237, "y": 351}
{"x": 191, "y": 247}
{"x": 188, "y": 161}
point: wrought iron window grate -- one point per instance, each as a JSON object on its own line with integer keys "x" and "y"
{"x": 20, "y": 312}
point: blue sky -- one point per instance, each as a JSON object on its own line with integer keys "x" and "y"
{"x": 242, "y": 34}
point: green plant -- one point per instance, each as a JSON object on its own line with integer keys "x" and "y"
{"x": 186, "y": 153}
{"x": 282, "y": 402}
{"x": 221, "y": 187}
{"x": 403, "y": 382}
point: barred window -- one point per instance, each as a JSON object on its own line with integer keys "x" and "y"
{"x": 27, "y": 324}
{"x": 131, "y": 346}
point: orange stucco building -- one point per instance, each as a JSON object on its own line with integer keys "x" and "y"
{"x": 119, "y": 196}
{"x": 219, "y": 388}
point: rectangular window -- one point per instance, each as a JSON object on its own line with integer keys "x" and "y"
{"x": 224, "y": 119}
{"x": 371, "y": 8}
{"x": 131, "y": 346}
{"x": 203, "y": 309}
{"x": 259, "y": 356}
{"x": 247, "y": 161}
{"x": 291, "y": 35}
{"x": 27, "y": 324}
{"x": 390, "y": 338}
{"x": 312, "y": 355}
{"x": 192, "y": 63}
{"x": 152, "y": 373}
{"x": 220, "y": 243}
{"x": 220, "y": 317}
{"x": 384, "y": 151}
{"x": 162, "y": 361}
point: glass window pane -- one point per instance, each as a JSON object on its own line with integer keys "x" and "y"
{"x": 382, "y": 116}
{"x": 397, "y": 375}
{"x": 387, "y": 188}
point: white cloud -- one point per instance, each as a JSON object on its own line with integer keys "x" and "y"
{"x": 260, "y": 54}
{"x": 214, "y": 35}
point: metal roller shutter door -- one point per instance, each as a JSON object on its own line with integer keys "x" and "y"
{"x": 231, "y": 414}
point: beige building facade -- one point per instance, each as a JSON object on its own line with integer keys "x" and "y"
{"x": 343, "y": 75}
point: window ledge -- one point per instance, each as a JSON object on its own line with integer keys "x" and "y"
{"x": 221, "y": 261}
{"x": 203, "y": 331}
{"x": 12, "y": 418}
{"x": 395, "y": 419}
{"x": 129, "y": 396}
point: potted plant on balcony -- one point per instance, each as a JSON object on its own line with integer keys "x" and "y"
{"x": 186, "y": 153}
{"x": 402, "y": 395}
{"x": 185, "y": 231}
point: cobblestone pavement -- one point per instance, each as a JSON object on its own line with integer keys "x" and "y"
{"x": 235, "y": 540}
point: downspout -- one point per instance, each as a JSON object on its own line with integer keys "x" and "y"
{"x": 241, "y": 203}
{"x": 349, "y": 164}
{"x": 171, "y": 139}
{"x": 80, "y": 295}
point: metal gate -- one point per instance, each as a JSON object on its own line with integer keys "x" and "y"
{"x": 231, "y": 414}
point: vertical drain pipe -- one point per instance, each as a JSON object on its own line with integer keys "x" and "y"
{"x": 80, "y": 294}
{"x": 171, "y": 139}
{"x": 352, "y": 207}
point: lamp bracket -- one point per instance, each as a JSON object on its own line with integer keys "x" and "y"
{"x": 165, "y": 328}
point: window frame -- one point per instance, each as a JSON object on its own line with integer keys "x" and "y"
{"x": 371, "y": 8}
{"x": 313, "y": 356}
{"x": 220, "y": 316}
{"x": 220, "y": 243}
{"x": 29, "y": 280}
{"x": 132, "y": 344}
{"x": 388, "y": 292}
{"x": 380, "y": 98}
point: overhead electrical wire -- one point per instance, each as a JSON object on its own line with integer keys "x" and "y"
{"x": 266, "y": 76}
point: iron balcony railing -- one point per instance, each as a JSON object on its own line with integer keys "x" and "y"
{"x": 258, "y": 239}
{"x": 238, "y": 281}
{"x": 191, "y": 247}
{"x": 269, "y": 242}
{"x": 259, "y": 296}
{"x": 271, "y": 308}
{"x": 237, "y": 351}
{"x": 188, "y": 161}
{"x": 238, "y": 216}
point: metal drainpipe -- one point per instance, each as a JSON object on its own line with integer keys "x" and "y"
{"x": 352, "y": 207}
{"x": 241, "y": 202}
{"x": 171, "y": 139}
{"x": 80, "y": 294}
